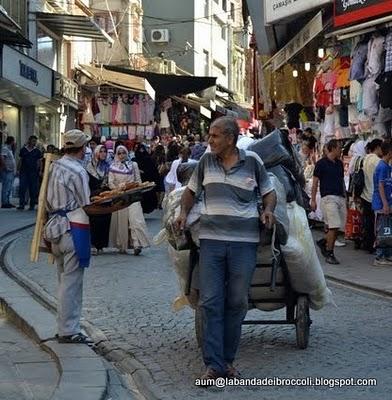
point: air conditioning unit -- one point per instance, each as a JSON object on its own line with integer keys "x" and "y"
{"x": 160, "y": 35}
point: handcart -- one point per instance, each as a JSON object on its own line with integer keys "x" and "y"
{"x": 270, "y": 290}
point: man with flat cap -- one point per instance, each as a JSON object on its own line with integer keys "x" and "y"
{"x": 68, "y": 232}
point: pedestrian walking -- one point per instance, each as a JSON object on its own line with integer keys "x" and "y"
{"x": 329, "y": 174}
{"x": 230, "y": 181}
{"x": 370, "y": 163}
{"x": 67, "y": 230}
{"x": 98, "y": 171}
{"x": 128, "y": 228}
{"x": 30, "y": 160}
{"x": 8, "y": 171}
{"x": 382, "y": 199}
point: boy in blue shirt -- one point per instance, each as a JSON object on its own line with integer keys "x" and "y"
{"x": 382, "y": 198}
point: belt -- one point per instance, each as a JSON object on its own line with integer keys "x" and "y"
{"x": 61, "y": 213}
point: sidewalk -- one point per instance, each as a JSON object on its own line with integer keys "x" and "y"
{"x": 356, "y": 268}
{"x": 32, "y": 364}
{"x": 26, "y": 371}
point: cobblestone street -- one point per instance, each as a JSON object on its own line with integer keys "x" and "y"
{"x": 129, "y": 298}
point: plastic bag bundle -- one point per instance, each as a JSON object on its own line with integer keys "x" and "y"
{"x": 185, "y": 171}
{"x": 271, "y": 149}
{"x": 282, "y": 220}
{"x": 305, "y": 272}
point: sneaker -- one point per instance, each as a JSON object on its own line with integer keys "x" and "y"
{"x": 322, "y": 245}
{"x": 79, "y": 338}
{"x": 382, "y": 262}
{"x": 340, "y": 243}
{"x": 7, "y": 206}
{"x": 331, "y": 259}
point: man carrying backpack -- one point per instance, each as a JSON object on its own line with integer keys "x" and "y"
{"x": 370, "y": 163}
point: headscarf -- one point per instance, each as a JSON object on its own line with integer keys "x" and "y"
{"x": 96, "y": 167}
{"x": 121, "y": 166}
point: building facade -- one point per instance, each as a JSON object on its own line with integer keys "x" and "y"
{"x": 37, "y": 92}
{"x": 201, "y": 37}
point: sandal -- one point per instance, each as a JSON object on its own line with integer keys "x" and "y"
{"x": 79, "y": 338}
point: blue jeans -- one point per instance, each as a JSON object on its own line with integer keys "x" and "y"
{"x": 385, "y": 252}
{"x": 6, "y": 189}
{"x": 226, "y": 270}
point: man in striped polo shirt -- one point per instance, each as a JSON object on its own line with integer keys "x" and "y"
{"x": 230, "y": 182}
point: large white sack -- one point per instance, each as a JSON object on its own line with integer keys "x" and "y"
{"x": 306, "y": 274}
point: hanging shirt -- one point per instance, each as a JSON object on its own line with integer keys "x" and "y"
{"x": 374, "y": 57}
{"x": 370, "y": 97}
{"x": 385, "y": 83}
{"x": 357, "y": 71}
{"x": 388, "y": 52}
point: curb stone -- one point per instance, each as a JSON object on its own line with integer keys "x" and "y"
{"x": 138, "y": 374}
{"x": 82, "y": 373}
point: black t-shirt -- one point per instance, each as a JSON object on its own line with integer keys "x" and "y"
{"x": 29, "y": 159}
{"x": 331, "y": 176}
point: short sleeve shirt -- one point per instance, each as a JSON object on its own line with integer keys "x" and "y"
{"x": 331, "y": 176}
{"x": 230, "y": 198}
{"x": 29, "y": 159}
{"x": 382, "y": 174}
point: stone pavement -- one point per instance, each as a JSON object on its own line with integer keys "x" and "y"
{"x": 129, "y": 298}
{"x": 26, "y": 371}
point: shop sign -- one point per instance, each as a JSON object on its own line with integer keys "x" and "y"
{"x": 67, "y": 89}
{"x": 276, "y": 10}
{"x": 351, "y": 11}
{"x": 26, "y": 72}
{"x": 308, "y": 33}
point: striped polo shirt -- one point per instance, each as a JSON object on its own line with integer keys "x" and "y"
{"x": 230, "y": 198}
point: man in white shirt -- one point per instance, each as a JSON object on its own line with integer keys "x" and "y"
{"x": 370, "y": 163}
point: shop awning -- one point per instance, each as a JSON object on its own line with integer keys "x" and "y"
{"x": 313, "y": 28}
{"x": 10, "y": 31}
{"x": 363, "y": 28}
{"x": 169, "y": 85}
{"x": 73, "y": 25}
{"x": 101, "y": 76}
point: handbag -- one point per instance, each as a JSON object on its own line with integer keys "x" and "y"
{"x": 384, "y": 231}
{"x": 353, "y": 228}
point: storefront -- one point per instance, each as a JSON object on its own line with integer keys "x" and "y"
{"x": 24, "y": 84}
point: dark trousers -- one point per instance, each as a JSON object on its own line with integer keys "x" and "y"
{"x": 368, "y": 226}
{"x": 28, "y": 181}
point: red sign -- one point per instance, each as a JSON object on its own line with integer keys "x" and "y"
{"x": 350, "y": 11}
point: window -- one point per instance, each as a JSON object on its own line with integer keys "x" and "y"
{"x": 216, "y": 1}
{"x": 104, "y": 21}
{"x": 206, "y": 8}
{"x": 224, "y": 5}
{"x": 206, "y": 62}
{"x": 232, "y": 11}
{"x": 223, "y": 32}
{"x": 222, "y": 27}
{"x": 17, "y": 10}
{"x": 47, "y": 50}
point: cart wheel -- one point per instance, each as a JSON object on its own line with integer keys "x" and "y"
{"x": 198, "y": 326}
{"x": 302, "y": 322}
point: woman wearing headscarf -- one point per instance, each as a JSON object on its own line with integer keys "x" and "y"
{"x": 98, "y": 169}
{"x": 149, "y": 173}
{"x": 128, "y": 228}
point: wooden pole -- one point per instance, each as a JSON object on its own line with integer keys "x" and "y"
{"x": 41, "y": 213}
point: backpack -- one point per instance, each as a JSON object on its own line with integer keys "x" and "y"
{"x": 357, "y": 183}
